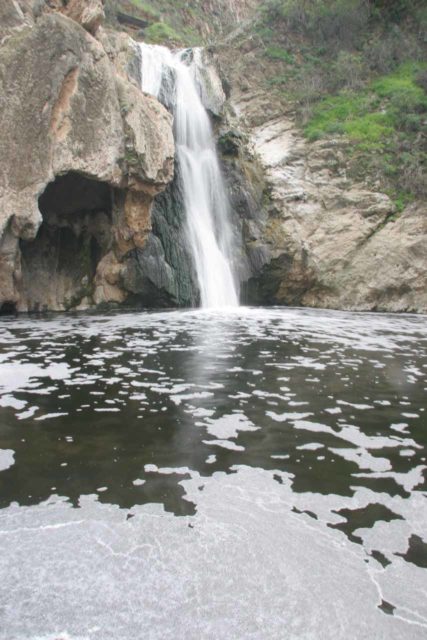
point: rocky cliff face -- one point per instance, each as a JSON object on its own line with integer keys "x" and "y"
{"x": 83, "y": 155}
{"x": 220, "y": 15}
{"x": 88, "y": 212}
{"x": 180, "y": 23}
{"x": 314, "y": 237}
{"x": 332, "y": 242}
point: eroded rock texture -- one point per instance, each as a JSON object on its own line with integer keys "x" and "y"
{"x": 313, "y": 236}
{"x": 83, "y": 154}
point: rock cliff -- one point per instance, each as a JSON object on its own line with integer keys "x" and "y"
{"x": 313, "y": 235}
{"x": 83, "y": 154}
{"x": 88, "y": 210}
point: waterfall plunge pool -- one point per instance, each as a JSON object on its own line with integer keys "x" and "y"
{"x": 251, "y": 473}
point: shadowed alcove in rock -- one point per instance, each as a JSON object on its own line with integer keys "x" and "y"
{"x": 8, "y": 309}
{"x": 58, "y": 267}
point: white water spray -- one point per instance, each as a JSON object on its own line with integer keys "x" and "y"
{"x": 205, "y": 200}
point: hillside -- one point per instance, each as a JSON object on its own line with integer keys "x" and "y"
{"x": 356, "y": 69}
{"x": 349, "y": 68}
{"x": 183, "y": 23}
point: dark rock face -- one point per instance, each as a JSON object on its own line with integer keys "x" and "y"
{"x": 168, "y": 218}
{"x": 246, "y": 187}
{"x": 148, "y": 275}
{"x": 75, "y": 234}
{"x": 162, "y": 271}
{"x": 71, "y": 193}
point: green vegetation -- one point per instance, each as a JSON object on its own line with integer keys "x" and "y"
{"x": 147, "y": 9}
{"x": 385, "y": 123}
{"x": 279, "y": 54}
{"x": 350, "y": 114}
{"x": 160, "y": 32}
{"x": 353, "y": 68}
{"x": 171, "y": 22}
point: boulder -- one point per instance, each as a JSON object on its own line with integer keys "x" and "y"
{"x": 87, "y": 13}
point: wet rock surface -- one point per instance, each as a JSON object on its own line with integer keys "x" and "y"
{"x": 332, "y": 242}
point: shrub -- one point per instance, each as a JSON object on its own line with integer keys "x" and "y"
{"x": 401, "y": 82}
{"x": 160, "y": 32}
{"x": 329, "y": 22}
{"x": 277, "y": 53}
{"x": 146, "y": 8}
{"x": 421, "y": 79}
{"x": 370, "y": 130}
{"x": 333, "y": 111}
{"x": 394, "y": 10}
{"x": 347, "y": 71}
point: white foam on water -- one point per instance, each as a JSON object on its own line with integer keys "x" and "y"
{"x": 7, "y": 459}
{"x": 245, "y": 565}
{"x": 155, "y": 576}
{"x": 229, "y": 425}
{"x": 49, "y": 416}
{"x": 225, "y": 444}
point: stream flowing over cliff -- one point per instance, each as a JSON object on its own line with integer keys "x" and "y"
{"x": 206, "y": 207}
{"x": 203, "y": 436}
{"x": 91, "y": 214}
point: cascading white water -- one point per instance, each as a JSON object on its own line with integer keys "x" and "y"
{"x": 205, "y": 199}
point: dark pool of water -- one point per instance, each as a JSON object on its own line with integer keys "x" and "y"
{"x": 133, "y": 409}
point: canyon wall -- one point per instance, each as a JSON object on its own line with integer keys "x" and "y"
{"x": 315, "y": 235}
{"x": 83, "y": 154}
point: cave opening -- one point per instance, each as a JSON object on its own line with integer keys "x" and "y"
{"x": 73, "y": 193}
{"x": 59, "y": 266}
{"x": 8, "y": 309}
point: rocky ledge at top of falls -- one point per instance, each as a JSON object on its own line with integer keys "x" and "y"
{"x": 314, "y": 237}
{"x": 83, "y": 153}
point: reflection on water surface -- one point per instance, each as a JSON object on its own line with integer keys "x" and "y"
{"x": 323, "y": 414}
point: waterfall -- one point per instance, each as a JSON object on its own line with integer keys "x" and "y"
{"x": 170, "y": 77}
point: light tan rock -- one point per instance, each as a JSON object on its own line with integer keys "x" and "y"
{"x": 123, "y": 52}
{"x": 87, "y": 13}
{"x": 134, "y": 223}
{"x": 107, "y": 281}
{"x": 14, "y": 16}
{"x": 330, "y": 242}
{"x": 149, "y": 145}
{"x": 64, "y": 111}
